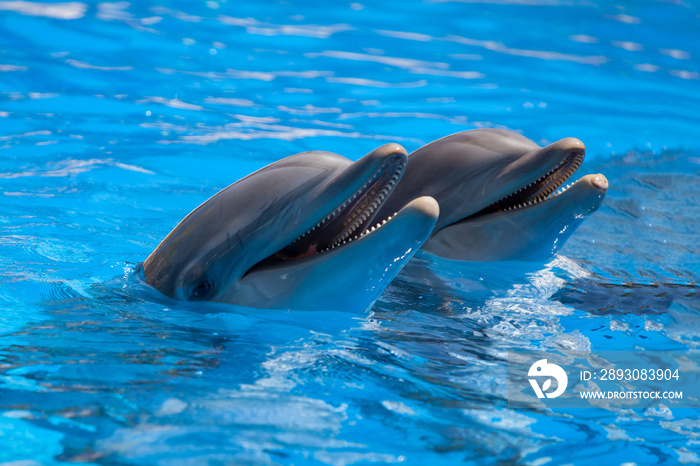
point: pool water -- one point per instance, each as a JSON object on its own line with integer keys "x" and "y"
{"x": 117, "y": 119}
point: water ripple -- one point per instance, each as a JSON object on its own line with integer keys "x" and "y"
{"x": 540, "y": 54}
{"x": 254, "y": 26}
{"x": 68, "y": 10}
{"x": 72, "y": 167}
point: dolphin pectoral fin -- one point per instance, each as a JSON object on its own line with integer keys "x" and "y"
{"x": 349, "y": 278}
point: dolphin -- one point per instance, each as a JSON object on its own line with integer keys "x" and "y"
{"x": 301, "y": 233}
{"x": 501, "y": 195}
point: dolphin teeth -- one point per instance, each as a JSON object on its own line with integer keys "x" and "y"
{"x": 362, "y": 211}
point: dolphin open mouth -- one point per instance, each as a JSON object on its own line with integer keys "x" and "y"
{"x": 540, "y": 190}
{"x": 352, "y": 219}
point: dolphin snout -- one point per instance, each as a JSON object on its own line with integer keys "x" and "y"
{"x": 387, "y": 151}
{"x": 426, "y": 206}
{"x": 595, "y": 182}
{"x": 569, "y": 144}
{"x": 599, "y": 181}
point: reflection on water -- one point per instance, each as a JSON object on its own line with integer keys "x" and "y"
{"x": 118, "y": 118}
{"x": 606, "y": 298}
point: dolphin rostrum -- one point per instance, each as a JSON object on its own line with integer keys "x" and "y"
{"x": 501, "y": 195}
{"x": 302, "y": 233}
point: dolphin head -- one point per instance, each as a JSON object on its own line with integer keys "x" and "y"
{"x": 253, "y": 242}
{"x": 532, "y": 232}
{"x": 499, "y": 194}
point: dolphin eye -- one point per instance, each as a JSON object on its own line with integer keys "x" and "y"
{"x": 202, "y": 290}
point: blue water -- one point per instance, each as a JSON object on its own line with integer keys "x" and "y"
{"x": 117, "y": 119}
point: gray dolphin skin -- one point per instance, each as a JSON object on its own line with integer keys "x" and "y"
{"x": 501, "y": 195}
{"x": 302, "y": 233}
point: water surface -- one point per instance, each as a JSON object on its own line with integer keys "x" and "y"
{"x": 116, "y": 119}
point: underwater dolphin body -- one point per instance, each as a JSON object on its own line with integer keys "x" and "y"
{"x": 501, "y": 195}
{"x": 301, "y": 233}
